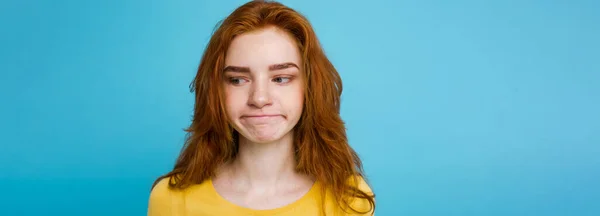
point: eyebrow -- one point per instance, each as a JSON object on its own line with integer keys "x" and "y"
{"x": 271, "y": 67}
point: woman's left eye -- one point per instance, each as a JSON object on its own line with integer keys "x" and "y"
{"x": 282, "y": 79}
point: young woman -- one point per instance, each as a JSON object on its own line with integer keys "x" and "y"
{"x": 266, "y": 136}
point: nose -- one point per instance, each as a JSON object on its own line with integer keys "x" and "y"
{"x": 259, "y": 95}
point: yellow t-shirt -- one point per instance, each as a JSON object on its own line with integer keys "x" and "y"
{"x": 203, "y": 199}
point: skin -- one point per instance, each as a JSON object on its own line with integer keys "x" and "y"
{"x": 264, "y": 90}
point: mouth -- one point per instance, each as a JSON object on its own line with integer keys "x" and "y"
{"x": 262, "y": 116}
{"x": 257, "y": 120}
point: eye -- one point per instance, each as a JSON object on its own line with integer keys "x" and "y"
{"x": 282, "y": 79}
{"x": 236, "y": 80}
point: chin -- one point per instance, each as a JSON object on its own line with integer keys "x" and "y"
{"x": 264, "y": 138}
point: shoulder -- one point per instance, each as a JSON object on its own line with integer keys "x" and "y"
{"x": 161, "y": 189}
{"x": 360, "y": 203}
{"x": 163, "y": 199}
{"x": 353, "y": 200}
{"x": 361, "y": 184}
{"x": 167, "y": 200}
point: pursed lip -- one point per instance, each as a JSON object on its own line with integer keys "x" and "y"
{"x": 262, "y": 116}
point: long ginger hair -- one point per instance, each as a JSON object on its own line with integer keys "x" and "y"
{"x": 320, "y": 140}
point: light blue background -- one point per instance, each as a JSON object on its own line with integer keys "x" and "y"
{"x": 456, "y": 107}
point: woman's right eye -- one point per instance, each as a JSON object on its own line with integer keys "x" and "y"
{"x": 236, "y": 80}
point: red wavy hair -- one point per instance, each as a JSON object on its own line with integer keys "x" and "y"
{"x": 322, "y": 148}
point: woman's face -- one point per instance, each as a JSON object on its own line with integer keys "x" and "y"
{"x": 263, "y": 84}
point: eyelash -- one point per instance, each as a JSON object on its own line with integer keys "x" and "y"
{"x": 232, "y": 80}
{"x": 289, "y": 79}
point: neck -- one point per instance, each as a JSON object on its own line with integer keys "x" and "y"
{"x": 265, "y": 164}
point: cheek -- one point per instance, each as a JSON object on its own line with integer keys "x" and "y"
{"x": 300, "y": 99}
{"x": 297, "y": 101}
{"x": 233, "y": 102}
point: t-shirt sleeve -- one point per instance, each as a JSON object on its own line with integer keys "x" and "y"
{"x": 363, "y": 205}
{"x": 162, "y": 200}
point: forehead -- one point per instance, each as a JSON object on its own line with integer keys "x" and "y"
{"x": 261, "y": 48}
